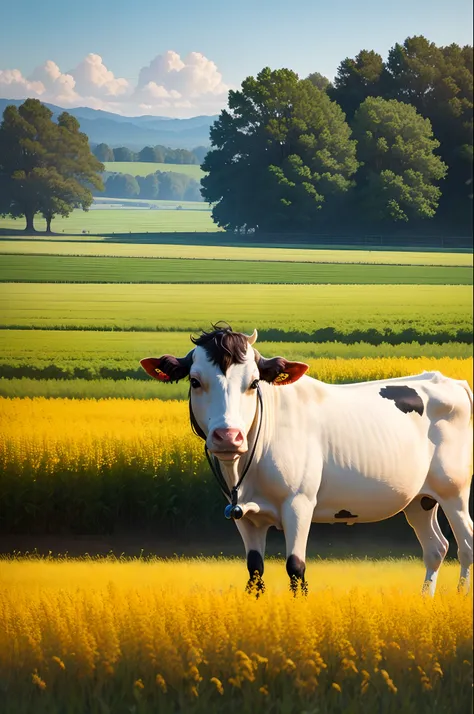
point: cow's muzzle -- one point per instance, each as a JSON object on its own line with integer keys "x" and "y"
{"x": 227, "y": 444}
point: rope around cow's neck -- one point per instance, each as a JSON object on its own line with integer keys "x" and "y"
{"x": 233, "y": 510}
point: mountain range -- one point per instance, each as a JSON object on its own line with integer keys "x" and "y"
{"x": 134, "y": 132}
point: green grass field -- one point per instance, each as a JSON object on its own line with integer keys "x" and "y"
{"x": 99, "y": 246}
{"x": 53, "y": 268}
{"x": 85, "y": 364}
{"x": 143, "y": 168}
{"x": 109, "y": 202}
{"x": 56, "y": 346}
{"x": 272, "y": 308}
{"x": 118, "y": 220}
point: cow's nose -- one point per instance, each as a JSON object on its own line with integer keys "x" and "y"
{"x": 227, "y": 437}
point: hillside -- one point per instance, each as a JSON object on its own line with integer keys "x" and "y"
{"x": 135, "y": 132}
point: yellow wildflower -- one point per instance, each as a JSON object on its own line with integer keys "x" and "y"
{"x": 218, "y": 684}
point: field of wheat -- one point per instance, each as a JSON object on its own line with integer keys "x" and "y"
{"x": 183, "y": 636}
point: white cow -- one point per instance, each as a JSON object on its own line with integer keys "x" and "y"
{"x": 303, "y": 451}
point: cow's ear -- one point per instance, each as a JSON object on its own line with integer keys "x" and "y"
{"x": 167, "y": 368}
{"x": 279, "y": 371}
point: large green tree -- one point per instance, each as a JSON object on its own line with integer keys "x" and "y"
{"x": 438, "y": 81}
{"x": 280, "y": 153}
{"x": 356, "y": 80}
{"x": 399, "y": 171}
{"x": 45, "y": 167}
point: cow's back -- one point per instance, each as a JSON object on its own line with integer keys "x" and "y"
{"x": 377, "y": 441}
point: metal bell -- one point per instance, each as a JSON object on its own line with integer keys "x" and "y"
{"x": 228, "y": 511}
{"x": 236, "y": 513}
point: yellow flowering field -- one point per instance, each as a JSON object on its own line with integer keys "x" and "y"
{"x": 101, "y": 636}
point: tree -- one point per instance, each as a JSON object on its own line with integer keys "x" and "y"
{"x": 124, "y": 154}
{"x": 104, "y": 153}
{"x": 399, "y": 170}
{"x": 147, "y": 154}
{"x": 319, "y": 81}
{"x": 179, "y": 156}
{"x": 122, "y": 186}
{"x": 193, "y": 191}
{"x": 159, "y": 154}
{"x": 44, "y": 167}
{"x": 438, "y": 81}
{"x": 149, "y": 185}
{"x": 356, "y": 80}
{"x": 173, "y": 186}
{"x": 279, "y": 154}
{"x": 200, "y": 153}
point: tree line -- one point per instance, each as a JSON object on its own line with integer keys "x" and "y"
{"x": 389, "y": 142}
{"x": 161, "y": 185}
{"x": 151, "y": 154}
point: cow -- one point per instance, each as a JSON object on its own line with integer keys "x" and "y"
{"x": 289, "y": 450}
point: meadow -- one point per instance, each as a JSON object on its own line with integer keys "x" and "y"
{"x": 93, "y": 448}
{"x": 135, "y": 247}
{"x": 48, "y": 346}
{"x": 122, "y": 203}
{"x": 69, "y": 269}
{"x": 348, "y": 313}
{"x": 143, "y": 168}
{"x": 169, "y": 636}
{"x": 119, "y": 221}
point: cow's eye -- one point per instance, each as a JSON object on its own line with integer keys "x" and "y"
{"x": 195, "y": 383}
{"x": 254, "y": 384}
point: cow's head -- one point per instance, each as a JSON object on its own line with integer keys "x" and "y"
{"x": 224, "y": 372}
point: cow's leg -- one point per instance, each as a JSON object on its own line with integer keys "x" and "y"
{"x": 296, "y": 516}
{"x": 254, "y": 541}
{"x": 457, "y": 512}
{"x": 434, "y": 544}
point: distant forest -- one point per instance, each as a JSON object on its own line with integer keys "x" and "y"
{"x": 151, "y": 154}
{"x": 161, "y": 185}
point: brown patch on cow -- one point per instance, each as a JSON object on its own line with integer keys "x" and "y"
{"x": 223, "y": 346}
{"x": 427, "y": 503}
{"x": 345, "y": 514}
{"x": 406, "y": 398}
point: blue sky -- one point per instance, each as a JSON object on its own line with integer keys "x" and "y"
{"x": 230, "y": 41}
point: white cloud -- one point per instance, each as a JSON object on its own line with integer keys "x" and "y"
{"x": 153, "y": 91}
{"x": 14, "y": 86}
{"x": 169, "y": 85}
{"x": 94, "y": 79}
{"x": 59, "y": 87}
{"x": 192, "y": 77}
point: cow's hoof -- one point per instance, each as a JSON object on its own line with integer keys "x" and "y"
{"x": 255, "y": 586}
{"x": 297, "y": 584}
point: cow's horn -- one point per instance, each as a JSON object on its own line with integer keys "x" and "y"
{"x": 252, "y": 338}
